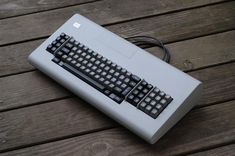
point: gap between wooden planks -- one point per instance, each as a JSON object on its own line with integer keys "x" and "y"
{"x": 200, "y": 129}
{"x": 186, "y": 55}
{"x": 41, "y": 88}
{"x": 13, "y": 58}
{"x": 227, "y": 150}
{"x": 73, "y": 116}
{"x": 209, "y": 19}
{"x": 13, "y": 8}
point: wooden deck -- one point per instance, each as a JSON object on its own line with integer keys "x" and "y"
{"x": 39, "y": 117}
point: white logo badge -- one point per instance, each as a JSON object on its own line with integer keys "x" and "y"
{"x": 76, "y": 25}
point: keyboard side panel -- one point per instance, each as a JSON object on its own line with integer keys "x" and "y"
{"x": 186, "y": 106}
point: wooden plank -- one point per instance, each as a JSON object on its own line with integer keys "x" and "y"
{"x": 186, "y": 55}
{"x": 201, "y": 128}
{"x": 29, "y": 88}
{"x": 49, "y": 121}
{"x": 218, "y": 18}
{"x": 218, "y": 86}
{"x": 13, "y": 58}
{"x": 228, "y": 150}
{"x": 218, "y": 83}
{"x": 201, "y": 52}
{"x": 181, "y": 25}
{"x": 9, "y": 8}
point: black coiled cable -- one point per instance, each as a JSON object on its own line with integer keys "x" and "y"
{"x": 147, "y": 41}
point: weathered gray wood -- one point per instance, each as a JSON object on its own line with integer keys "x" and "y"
{"x": 29, "y": 88}
{"x": 181, "y": 25}
{"x": 34, "y": 87}
{"x": 227, "y": 150}
{"x": 13, "y": 59}
{"x": 218, "y": 83}
{"x": 201, "y": 128}
{"x": 209, "y": 19}
{"x": 49, "y": 121}
{"x": 9, "y": 8}
{"x": 201, "y": 52}
{"x": 186, "y": 55}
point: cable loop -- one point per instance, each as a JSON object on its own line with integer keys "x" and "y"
{"x": 147, "y": 41}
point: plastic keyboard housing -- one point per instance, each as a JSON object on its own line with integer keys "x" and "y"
{"x": 185, "y": 90}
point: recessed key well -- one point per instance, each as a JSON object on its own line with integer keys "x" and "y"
{"x": 106, "y": 76}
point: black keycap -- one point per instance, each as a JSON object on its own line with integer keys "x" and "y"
{"x": 136, "y": 100}
{"x": 142, "y": 106}
{"x": 159, "y": 107}
{"x": 107, "y": 92}
{"x": 62, "y": 35}
{"x": 58, "y": 38}
{"x": 56, "y": 60}
{"x": 149, "y": 86}
{"x": 148, "y": 108}
{"x": 135, "y": 78}
{"x": 49, "y": 48}
{"x": 126, "y": 91}
{"x": 132, "y": 84}
{"x": 130, "y": 98}
{"x": 65, "y": 50}
{"x": 141, "y": 95}
{"x": 154, "y": 113}
{"x": 71, "y": 40}
{"x": 64, "y": 57}
{"x": 116, "y": 98}
{"x": 69, "y": 45}
{"x": 58, "y": 45}
{"x": 59, "y": 54}
{"x": 118, "y": 90}
{"x": 144, "y": 83}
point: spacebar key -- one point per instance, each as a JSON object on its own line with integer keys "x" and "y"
{"x": 83, "y": 77}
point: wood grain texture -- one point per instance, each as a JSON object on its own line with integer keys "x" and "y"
{"x": 29, "y": 88}
{"x": 208, "y": 20}
{"x": 218, "y": 86}
{"x": 49, "y": 121}
{"x": 201, "y": 128}
{"x": 181, "y": 25}
{"x": 201, "y": 52}
{"x": 186, "y": 55}
{"x": 228, "y": 150}
{"x": 218, "y": 83}
{"x": 57, "y": 123}
{"x": 13, "y": 58}
{"x": 9, "y": 8}
{"x": 51, "y": 117}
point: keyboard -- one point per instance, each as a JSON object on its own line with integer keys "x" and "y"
{"x": 138, "y": 90}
